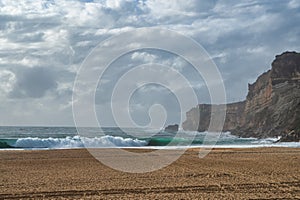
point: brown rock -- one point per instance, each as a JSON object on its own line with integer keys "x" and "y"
{"x": 292, "y": 136}
{"x": 271, "y": 106}
{"x": 234, "y": 116}
{"x": 172, "y": 128}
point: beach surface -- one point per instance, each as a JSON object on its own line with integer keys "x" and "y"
{"x": 256, "y": 173}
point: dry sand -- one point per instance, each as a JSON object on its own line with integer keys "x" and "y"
{"x": 262, "y": 173}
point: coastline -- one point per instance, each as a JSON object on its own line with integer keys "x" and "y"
{"x": 223, "y": 173}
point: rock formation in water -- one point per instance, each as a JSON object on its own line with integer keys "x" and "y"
{"x": 172, "y": 128}
{"x": 290, "y": 137}
{"x": 272, "y": 106}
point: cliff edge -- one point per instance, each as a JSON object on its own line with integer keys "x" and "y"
{"x": 271, "y": 108}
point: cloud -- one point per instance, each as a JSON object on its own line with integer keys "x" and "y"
{"x": 294, "y": 4}
{"x": 7, "y": 80}
{"x": 178, "y": 10}
{"x": 144, "y": 56}
{"x": 43, "y": 44}
{"x": 33, "y": 83}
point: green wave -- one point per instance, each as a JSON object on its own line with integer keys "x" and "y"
{"x": 7, "y": 143}
{"x": 170, "y": 141}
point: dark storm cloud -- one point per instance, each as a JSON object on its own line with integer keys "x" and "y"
{"x": 33, "y": 83}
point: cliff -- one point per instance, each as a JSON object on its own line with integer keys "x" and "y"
{"x": 233, "y": 117}
{"x": 271, "y": 108}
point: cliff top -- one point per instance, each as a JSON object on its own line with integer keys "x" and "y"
{"x": 286, "y": 65}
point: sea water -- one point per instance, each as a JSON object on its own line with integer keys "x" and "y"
{"x": 112, "y": 137}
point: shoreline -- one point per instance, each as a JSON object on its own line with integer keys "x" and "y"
{"x": 223, "y": 173}
{"x": 293, "y": 145}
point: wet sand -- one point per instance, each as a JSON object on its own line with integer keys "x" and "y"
{"x": 259, "y": 173}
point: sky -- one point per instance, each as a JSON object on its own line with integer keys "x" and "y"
{"x": 43, "y": 44}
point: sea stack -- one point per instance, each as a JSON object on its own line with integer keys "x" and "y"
{"x": 172, "y": 128}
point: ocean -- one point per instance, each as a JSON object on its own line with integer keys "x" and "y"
{"x": 67, "y": 138}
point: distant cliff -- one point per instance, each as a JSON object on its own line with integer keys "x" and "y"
{"x": 233, "y": 118}
{"x": 272, "y": 106}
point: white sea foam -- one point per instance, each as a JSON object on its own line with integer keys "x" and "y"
{"x": 265, "y": 141}
{"x": 77, "y": 142}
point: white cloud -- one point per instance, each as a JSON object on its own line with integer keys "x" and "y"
{"x": 144, "y": 56}
{"x": 114, "y": 4}
{"x": 178, "y": 9}
{"x": 294, "y": 4}
{"x": 7, "y": 81}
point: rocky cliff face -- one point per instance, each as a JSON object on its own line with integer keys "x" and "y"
{"x": 233, "y": 117}
{"x": 272, "y": 106}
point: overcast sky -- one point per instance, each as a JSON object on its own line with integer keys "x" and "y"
{"x": 43, "y": 43}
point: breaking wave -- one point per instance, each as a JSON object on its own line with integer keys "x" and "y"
{"x": 71, "y": 142}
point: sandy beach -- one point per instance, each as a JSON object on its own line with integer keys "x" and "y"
{"x": 257, "y": 173}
